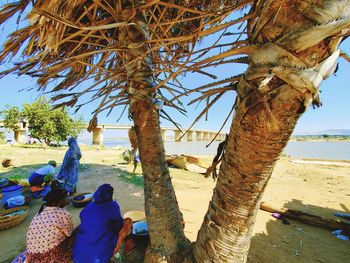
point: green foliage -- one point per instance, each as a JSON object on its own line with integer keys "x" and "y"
{"x": 12, "y": 116}
{"x": 48, "y": 124}
{"x": 323, "y": 137}
{"x": 2, "y": 137}
{"x": 130, "y": 178}
{"x": 45, "y": 123}
{"x": 283, "y": 154}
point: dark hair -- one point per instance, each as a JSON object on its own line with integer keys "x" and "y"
{"x": 53, "y": 198}
{"x": 55, "y": 185}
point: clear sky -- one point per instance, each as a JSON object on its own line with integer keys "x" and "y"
{"x": 334, "y": 114}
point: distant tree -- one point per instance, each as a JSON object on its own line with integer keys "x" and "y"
{"x": 48, "y": 124}
{"x": 12, "y": 116}
{"x": 45, "y": 123}
{"x": 2, "y": 137}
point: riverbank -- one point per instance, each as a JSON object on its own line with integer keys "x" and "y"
{"x": 313, "y": 188}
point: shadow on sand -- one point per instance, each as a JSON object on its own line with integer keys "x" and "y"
{"x": 298, "y": 242}
{"x": 129, "y": 196}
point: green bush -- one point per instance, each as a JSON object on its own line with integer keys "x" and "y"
{"x": 45, "y": 123}
{"x": 2, "y": 137}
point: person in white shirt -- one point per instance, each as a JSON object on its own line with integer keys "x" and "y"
{"x": 38, "y": 177}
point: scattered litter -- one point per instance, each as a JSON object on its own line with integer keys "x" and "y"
{"x": 319, "y": 260}
{"x": 302, "y": 231}
{"x": 337, "y": 232}
{"x": 343, "y": 237}
{"x": 340, "y": 234}
{"x": 281, "y": 217}
{"x": 342, "y": 215}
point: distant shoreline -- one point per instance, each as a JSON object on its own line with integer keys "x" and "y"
{"x": 321, "y": 138}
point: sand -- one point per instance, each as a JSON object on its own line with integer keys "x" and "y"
{"x": 311, "y": 187}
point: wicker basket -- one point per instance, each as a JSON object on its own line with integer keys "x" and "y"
{"x": 81, "y": 203}
{"x": 135, "y": 216}
{"x": 6, "y": 163}
{"x": 13, "y": 220}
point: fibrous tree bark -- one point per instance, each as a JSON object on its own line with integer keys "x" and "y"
{"x": 294, "y": 46}
{"x": 164, "y": 218}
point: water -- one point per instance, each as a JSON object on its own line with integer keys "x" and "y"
{"x": 319, "y": 150}
{"x": 297, "y": 149}
{"x": 339, "y": 150}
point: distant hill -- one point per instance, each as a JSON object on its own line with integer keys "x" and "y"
{"x": 328, "y": 132}
{"x": 336, "y": 132}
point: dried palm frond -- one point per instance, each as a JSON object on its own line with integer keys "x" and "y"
{"x": 66, "y": 43}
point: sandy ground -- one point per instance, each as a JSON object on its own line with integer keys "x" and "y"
{"x": 310, "y": 187}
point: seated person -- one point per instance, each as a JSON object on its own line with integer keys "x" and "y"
{"x": 43, "y": 174}
{"x": 48, "y": 236}
{"x": 97, "y": 235}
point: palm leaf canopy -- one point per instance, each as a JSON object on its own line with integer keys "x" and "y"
{"x": 66, "y": 43}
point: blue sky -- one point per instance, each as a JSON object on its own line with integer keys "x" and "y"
{"x": 334, "y": 114}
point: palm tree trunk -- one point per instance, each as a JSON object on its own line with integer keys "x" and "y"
{"x": 162, "y": 211}
{"x": 281, "y": 82}
{"x": 164, "y": 218}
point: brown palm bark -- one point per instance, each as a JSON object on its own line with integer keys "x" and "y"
{"x": 295, "y": 46}
{"x": 164, "y": 218}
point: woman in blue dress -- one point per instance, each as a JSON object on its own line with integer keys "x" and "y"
{"x": 69, "y": 169}
{"x": 97, "y": 234}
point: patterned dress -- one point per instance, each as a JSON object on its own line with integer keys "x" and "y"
{"x": 48, "y": 237}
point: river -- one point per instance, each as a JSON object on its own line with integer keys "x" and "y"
{"x": 335, "y": 150}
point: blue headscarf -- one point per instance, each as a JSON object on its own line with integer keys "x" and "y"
{"x": 69, "y": 168}
{"x": 74, "y": 149}
{"x": 103, "y": 194}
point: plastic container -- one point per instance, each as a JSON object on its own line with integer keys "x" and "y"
{"x": 15, "y": 201}
{"x": 140, "y": 232}
{"x": 9, "y": 192}
{"x": 140, "y": 228}
{"x": 3, "y": 183}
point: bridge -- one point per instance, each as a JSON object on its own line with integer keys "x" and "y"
{"x": 97, "y": 133}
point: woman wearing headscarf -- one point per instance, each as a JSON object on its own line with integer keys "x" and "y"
{"x": 97, "y": 234}
{"x": 48, "y": 236}
{"x": 69, "y": 169}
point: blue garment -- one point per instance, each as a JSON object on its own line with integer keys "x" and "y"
{"x": 103, "y": 194}
{"x": 37, "y": 177}
{"x": 98, "y": 233}
{"x": 42, "y": 193}
{"x": 69, "y": 169}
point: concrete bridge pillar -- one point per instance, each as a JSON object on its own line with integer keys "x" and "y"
{"x": 178, "y": 135}
{"x": 20, "y": 134}
{"x": 211, "y": 136}
{"x": 163, "y": 133}
{"x": 199, "y": 135}
{"x": 218, "y": 138}
{"x": 190, "y": 136}
{"x": 97, "y": 135}
{"x": 205, "y": 136}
